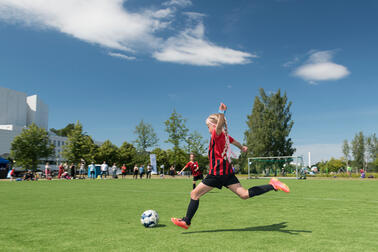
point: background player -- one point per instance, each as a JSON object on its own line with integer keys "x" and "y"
{"x": 196, "y": 172}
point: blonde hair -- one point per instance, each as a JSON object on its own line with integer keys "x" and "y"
{"x": 213, "y": 120}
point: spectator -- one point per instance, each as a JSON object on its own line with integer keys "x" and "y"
{"x": 172, "y": 171}
{"x": 73, "y": 171}
{"x": 349, "y": 171}
{"x": 162, "y": 169}
{"x": 65, "y": 166}
{"x": 47, "y": 171}
{"x": 124, "y": 171}
{"x": 149, "y": 170}
{"x": 11, "y": 174}
{"x": 61, "y": 170}
{"x": 28, "y": 175}
{"x": 92, "y": 169}
{"x": 82, "y": 170}
{"x": 141, "y": 171}
{"x": 114, "y": 171}
{"x": 135, "y": 172}
{"x": 65, "y": 175}
{"x": 104, "y": 169}
{"x": 362, "y": 173}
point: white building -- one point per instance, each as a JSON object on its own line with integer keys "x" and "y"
{"x": 19, "y": 111}
{"x": 59, "y": 142}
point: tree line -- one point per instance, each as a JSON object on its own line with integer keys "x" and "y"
{"x": 33, "y": 145}
{"x": 362, "y": 151}
{"x": 268, "y": 134}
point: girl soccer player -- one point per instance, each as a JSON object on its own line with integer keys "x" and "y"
{"x": 196, "y": 172}
{"x": 220, "y": 169}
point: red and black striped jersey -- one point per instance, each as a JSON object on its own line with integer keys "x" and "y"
{"x": 193, "y": 166}
{"x": 219, "y": 165}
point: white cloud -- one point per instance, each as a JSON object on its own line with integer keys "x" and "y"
{"x": 190, "y": 47}
{"x": 291, "y": 62}
{"x": 319, "y": 67}
{"x": 122, "y": 56}
{"x": 109, "y": 24}
{"x": 319, "y": 152}
{"x": 194, "y": 15}
{"x": 103, "y": 22}
{"x": 182, "y": 3}
{"x": 163, "y": 13}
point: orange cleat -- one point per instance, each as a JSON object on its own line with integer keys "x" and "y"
{"x": 278, "y": 185}
{"x": 180, "y": 223}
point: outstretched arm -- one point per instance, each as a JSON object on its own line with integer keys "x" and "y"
{"x": 241, "y": 147}
{"x": 182, "y": 170}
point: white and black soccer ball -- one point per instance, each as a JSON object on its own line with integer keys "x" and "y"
{"x": 149, "y": 218}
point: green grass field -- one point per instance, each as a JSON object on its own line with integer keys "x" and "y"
{"x": 104, "y": 215}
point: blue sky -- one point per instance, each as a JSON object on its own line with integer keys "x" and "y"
{"x": 112, "y": 63}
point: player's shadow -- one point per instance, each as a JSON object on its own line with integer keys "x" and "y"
{"x": 279, "y": 227}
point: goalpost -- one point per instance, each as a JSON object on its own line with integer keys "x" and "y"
{"x": 267, "y": 163}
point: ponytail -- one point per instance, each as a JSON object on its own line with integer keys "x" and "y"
{"x": 227, "y": 152}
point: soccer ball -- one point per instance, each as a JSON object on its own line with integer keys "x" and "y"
{"x": 149, "y": 218}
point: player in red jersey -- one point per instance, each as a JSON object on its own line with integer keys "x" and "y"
{"x": 220, "y": 169}
{"x": 196, "y": 172}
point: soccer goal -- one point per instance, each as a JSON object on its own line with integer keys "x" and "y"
{"x": 276, "y": 165}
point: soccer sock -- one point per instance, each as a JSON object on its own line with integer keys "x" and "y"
{"x": 194, "y": 186}
{"x": 257, "y": 190}
{"x": 192, "y": 208}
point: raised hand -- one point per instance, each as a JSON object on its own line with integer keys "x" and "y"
{"x": 244, "y": 149}
{"x": 222, "y": 107}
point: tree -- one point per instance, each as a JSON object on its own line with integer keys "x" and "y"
{"x": 177, "y": 132}
{"x": 322, "y": 166}
{"x": 196, "y": 144}
{"x": 126, "y": 154}
{"x": 89, "y": 149}
{"x": 146, "y": 136}
{"x": 28, "y": 148}
{"x": 269, "y": 126}
{"x": 107, "y": 152}
{"x": 346, "y": 151}
{"x": 358, "y": 149}
{"x": 376, "y": 163}
{"x": 178, "y": 158}
{"x": 79, "y": 146}
{"x": 65, "y": 131}
{"x": 334, "y": 165}
{"x": 372, "y": 146}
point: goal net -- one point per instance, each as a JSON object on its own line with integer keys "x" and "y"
{"x": 281, "y": 165}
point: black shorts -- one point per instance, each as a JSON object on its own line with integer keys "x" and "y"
{"x": 220, "y": 180}
{"x": 198, "y": 177}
